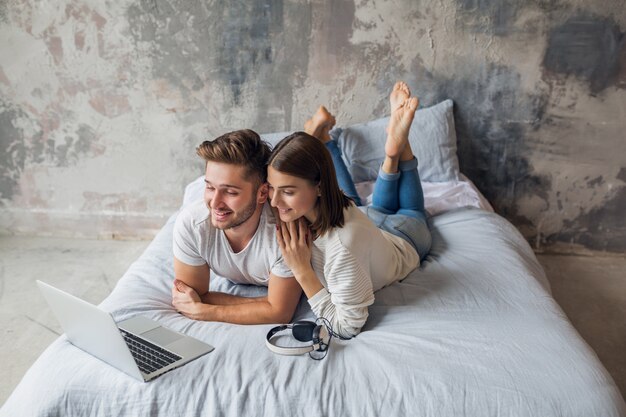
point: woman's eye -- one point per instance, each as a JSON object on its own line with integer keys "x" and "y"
{"x": 288, "y": 192}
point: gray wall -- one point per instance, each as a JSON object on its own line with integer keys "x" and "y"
{"x": 102, "y": 103}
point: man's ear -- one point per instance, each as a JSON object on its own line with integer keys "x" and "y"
{"x": 263, "y": 193}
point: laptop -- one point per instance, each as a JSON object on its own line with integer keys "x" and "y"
{"x": 139, "y": 347}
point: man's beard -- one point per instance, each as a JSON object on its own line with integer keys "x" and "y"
{"x": 239, "y": 218}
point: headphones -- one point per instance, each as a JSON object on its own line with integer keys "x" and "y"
{"x": 304, "y": 331}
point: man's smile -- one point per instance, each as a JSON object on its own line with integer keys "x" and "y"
{"x": 221, "y": 215}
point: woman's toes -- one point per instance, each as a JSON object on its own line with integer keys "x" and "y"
{"x": 404, "y": 87}
{"x": 398, "y": 96}
{"x": 319, "y": 124}
{"x": 308, "y": 127}
{"x": 412, "y": 104}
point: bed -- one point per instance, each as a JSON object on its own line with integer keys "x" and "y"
{"x": 473, "y": 331}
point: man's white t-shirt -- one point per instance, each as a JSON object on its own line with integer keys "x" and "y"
{"x": 197, "y": 242}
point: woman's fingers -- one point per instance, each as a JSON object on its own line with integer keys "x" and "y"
{"x": 302, "y": 231}
{"x": 285, "y": 233}
{"x": 309, "y": 238}
{"x": 293, "y": 231}
{"x": 293, "y": 234}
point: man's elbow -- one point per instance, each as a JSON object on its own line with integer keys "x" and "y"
{"x": 282, "y": 315}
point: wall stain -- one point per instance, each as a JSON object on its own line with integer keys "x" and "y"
{"x": 493, "y": 119}
{"x": 3, "y": 77}
{"x": 595, "y": 182}
{"x": 12, "y": 152}
{"x": 68, "y": 150}
{"x": 42, "y": 146}
{"x": 260, "y": 47}
{"x": 492, "y": 16}
{"x": 109, "y": 104}
{"x": 497, "y": 17}
{"x": 121, "y": 202}
{"x": 3, "y": 12}
{"x": 588, "y": 47}
{"x": 602, "y": 228}
{"x": 246, "y": 41}
{"x": 335, "y": 30}
{"x": 621, "y": 79}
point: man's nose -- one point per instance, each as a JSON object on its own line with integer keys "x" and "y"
{"x": 217, "y": 199}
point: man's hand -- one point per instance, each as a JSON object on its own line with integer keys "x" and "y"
{"x": 187, "y": 301}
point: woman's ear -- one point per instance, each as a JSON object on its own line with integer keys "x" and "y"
{"x": 319, "y": 189}
{"x": 263, "y": 193}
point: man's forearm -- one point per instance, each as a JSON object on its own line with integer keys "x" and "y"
{"x": 258, "y": 311}
{"x": 221, "y": 298}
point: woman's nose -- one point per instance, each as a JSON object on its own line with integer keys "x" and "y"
{"x": 274, "y": 199}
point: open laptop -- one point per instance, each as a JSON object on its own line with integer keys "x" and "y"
{"x": 140, "y": 347}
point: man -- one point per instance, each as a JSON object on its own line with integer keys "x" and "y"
{"x": 232, "y": 233}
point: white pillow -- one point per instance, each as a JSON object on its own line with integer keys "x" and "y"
{"x": 432, "y": 138}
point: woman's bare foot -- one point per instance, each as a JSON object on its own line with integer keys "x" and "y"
{"x": 399, "y": 94}
{"x": 320, "y": 124}
{"x": 398, "y": 127}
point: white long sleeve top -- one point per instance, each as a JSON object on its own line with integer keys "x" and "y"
{"x": 353, "y": 262}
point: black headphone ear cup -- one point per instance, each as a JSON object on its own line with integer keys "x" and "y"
{"x": 304, "y": 331}
{"x": 315, "y": 337}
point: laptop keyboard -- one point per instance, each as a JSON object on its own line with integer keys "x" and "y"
{"x": 149, "y": 357}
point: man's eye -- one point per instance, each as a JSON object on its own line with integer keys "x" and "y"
{"x": 231, "y": 193}
{"x": 208, "y": 187}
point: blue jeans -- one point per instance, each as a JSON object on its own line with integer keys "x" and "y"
{"x": 397, "y": 204}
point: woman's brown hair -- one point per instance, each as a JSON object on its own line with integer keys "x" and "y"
{"x": 304, "y": 156}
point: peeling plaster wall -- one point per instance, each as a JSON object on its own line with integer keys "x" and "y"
{"x": 102, "y": 103}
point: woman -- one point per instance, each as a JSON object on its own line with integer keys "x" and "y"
{"x": 341, "y": 254}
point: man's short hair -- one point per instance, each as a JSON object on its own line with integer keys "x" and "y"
{"x": 240, "y": 147}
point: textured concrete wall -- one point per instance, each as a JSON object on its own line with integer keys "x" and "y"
{"x": 102, "y": 103}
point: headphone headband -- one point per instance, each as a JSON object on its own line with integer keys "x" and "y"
{"x": 303, "y": 331}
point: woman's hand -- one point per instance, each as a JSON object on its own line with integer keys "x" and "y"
{"x": 186, "y": 300}
{"x": 295, "y": 241}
